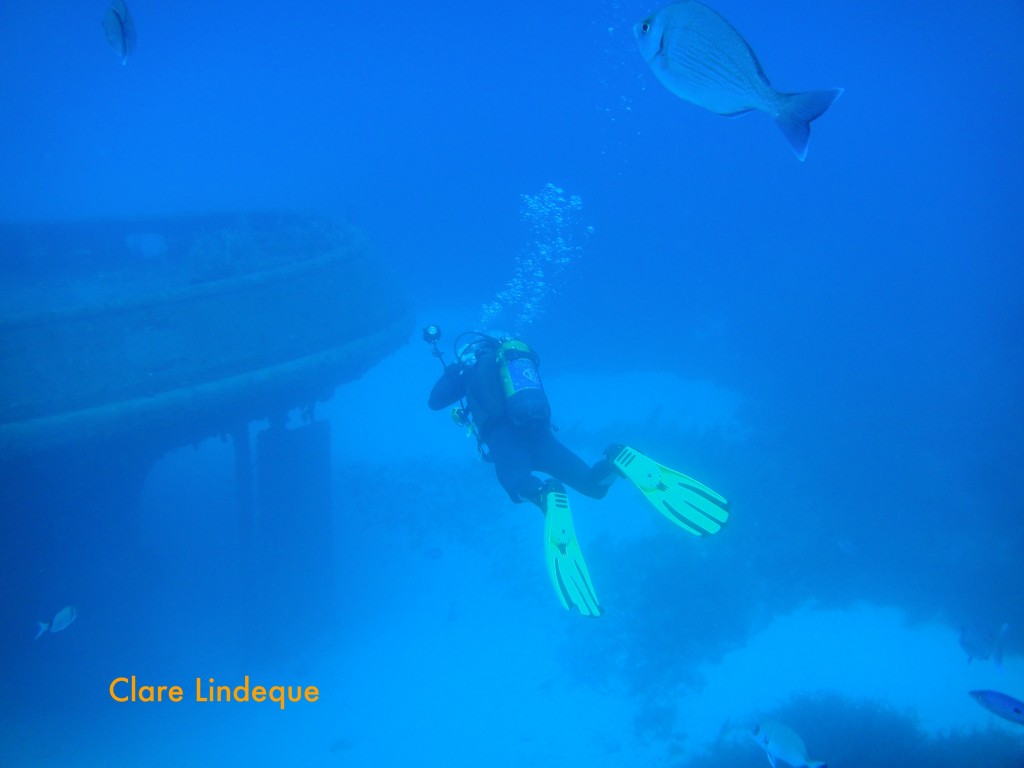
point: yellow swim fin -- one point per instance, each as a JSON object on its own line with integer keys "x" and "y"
{"x": 568, "y": 572}
{"x": 689, "y": 504}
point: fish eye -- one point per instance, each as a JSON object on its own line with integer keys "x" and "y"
{"x": 645, "y": 27}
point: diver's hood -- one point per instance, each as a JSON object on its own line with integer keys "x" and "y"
{"x": 478, "y": 341}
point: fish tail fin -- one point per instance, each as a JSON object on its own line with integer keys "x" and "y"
{"x": 41, "y": 627}
{"x": 797, "y": 111}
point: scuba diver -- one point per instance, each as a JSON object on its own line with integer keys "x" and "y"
{"x": 500, "y": 399}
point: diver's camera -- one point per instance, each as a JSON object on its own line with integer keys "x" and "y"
{"x": 432, "y": 334}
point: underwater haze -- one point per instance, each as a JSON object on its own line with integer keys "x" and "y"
{"x": 836, "y": 345}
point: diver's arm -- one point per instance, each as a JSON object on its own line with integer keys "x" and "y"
{"x": 450, "y": 388}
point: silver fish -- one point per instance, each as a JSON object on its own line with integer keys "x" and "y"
{"x": 782, "y": 744}
{"x": 980, "y": 642}
{"x": 61, "y": 621}
{"x": 120, "y": 29}
{"x": 699, "y": 57}
{"x": 1000, "y": 704}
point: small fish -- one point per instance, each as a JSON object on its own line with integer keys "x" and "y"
{"x": 980, "y": 642}
{"x": 697, "y": 55}
{"x": 62, "y": 620}
{"x": 120, "y": 29}
{"x": 1000, "y": 704}
{"x": 782, "y": 744}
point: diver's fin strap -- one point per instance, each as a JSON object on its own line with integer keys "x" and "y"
{"x": 566, "y": 567}
{"x": 686, "y": 502}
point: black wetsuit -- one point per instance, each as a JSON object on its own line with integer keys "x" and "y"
{"x": 516, "y": 451}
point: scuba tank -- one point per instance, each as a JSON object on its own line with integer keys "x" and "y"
{"x": 525, "y": 399}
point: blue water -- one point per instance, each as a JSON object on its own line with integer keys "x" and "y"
{"x": 836, "y": 345}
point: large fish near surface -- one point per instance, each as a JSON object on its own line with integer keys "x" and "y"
{"x": 697, "y": 55}
{"x": 61, "y": 621}
{"x": 782, "y": 744}
{"x": 120, "y": 29}
{"x": 1000, "y": 704}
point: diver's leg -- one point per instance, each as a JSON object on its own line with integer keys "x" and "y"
{"x": 512, "y": 464}
{"x": 551, "y": 456}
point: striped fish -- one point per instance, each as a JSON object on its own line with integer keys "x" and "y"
{"x": 699, "y": 57}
